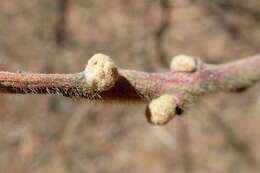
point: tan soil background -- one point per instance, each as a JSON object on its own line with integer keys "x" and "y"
{"x": 52, "y": 134}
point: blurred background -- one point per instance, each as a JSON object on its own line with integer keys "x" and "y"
{"x": 51, "y": 134}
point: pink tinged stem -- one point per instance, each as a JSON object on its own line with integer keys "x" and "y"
{"x": 137, "y": 85}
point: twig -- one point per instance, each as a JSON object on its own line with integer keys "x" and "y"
{"x": 168, "y": 93}
{"x": 161, "y": 31}
{"x": 61, "y": 26}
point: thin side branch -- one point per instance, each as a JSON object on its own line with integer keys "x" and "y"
{"x": 102, "y": 80}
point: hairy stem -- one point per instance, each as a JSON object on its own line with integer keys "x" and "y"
{"x": 168, "y": 93}
{"x": 137, "y": 85}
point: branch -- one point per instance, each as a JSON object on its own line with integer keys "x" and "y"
{"x": 61, "y": 25}
{"x": 168, "y": 93}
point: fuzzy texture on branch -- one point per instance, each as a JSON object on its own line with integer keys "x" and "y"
{"x": 171, "y": 91}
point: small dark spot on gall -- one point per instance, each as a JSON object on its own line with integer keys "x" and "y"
{"x": 178, "y": 111}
